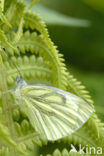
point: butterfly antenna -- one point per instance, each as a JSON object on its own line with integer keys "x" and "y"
{"x": 13, "y": 63}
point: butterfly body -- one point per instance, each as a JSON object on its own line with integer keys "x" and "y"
{"x": 52, "y": 112}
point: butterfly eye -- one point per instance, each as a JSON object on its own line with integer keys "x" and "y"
{"x": 19, "y": 79}
{"x": 20, "y": 82}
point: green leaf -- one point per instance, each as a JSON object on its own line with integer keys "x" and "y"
{"x": 96, "y": 4}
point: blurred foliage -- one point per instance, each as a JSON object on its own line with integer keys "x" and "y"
{"x": 96, "y": 4}
{"x": 82, "y": 46}
{"x": 52, "y": 17}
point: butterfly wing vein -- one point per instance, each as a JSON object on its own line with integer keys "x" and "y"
{"x": 53, "y": 112}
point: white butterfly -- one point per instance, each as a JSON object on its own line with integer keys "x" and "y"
{"x": 52, "y": 112}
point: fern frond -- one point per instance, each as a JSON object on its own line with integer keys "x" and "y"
{"x": 5, "y": 134}
{"x": 19, "y": 32}
{"x": 93, "y": 129}
{"x": 77, "y": 88}
{"x": 4, "y": 20}
{"x": 5, "y": 139}
{"x": 64, "y": 152}
{"x": 14, "y": 13}
{"x": 33, "y": 21}
{"x": 32, "y": 68}
{"x": 4, "y": 41}
{"x": 7, "y": 131}
{"x": 39, "y": 62}
{"x": 32, "y": 3}
{"x": 4, "y": 151}
{"x": 2, "y": 5}
{"x": 37, "y": 44}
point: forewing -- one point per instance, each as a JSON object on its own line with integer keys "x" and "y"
{"x": 53, "y": 111}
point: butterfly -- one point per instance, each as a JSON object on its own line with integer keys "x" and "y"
{"x": 53, "y": 112}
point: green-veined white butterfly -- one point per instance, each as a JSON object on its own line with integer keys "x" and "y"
{"x": 52, "y": 112}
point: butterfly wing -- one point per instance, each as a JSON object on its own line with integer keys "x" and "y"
{"x": 53, "y": 111}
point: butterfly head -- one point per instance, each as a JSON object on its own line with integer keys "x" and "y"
{"x": 20, "y": 82}
{"x": 19, "y": 79}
